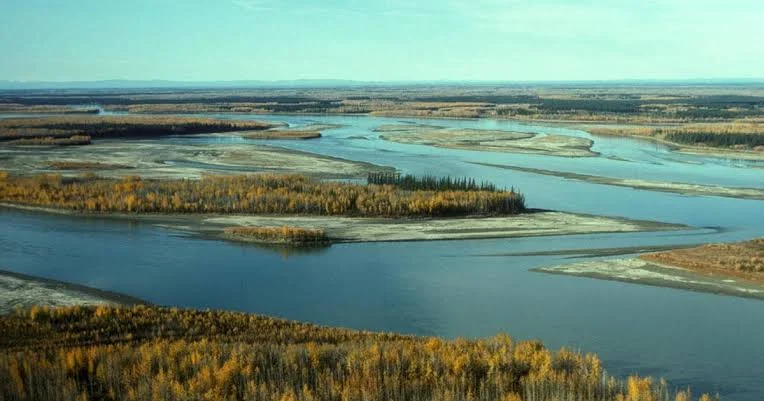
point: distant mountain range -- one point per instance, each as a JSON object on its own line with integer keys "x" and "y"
{"x": 338, "y": 83}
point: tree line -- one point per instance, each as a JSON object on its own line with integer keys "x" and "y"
{"x": 119, "y": 126}
{"x": 257, "y": 193}
{"x": 152, "y": 353}
{"x": 429, "y": 182}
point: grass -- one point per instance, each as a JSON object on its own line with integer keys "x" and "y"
{"x": 743, "y": 260}
{"x": 152, "y": 353}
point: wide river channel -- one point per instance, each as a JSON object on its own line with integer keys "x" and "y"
{"x": 471, "y": 288}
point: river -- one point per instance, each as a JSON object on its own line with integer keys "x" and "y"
{"x": 454, "y": 288}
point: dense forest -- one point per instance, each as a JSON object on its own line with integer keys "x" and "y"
{"x": 151, "y": 353}
{"x": 429, "y": 182}
{"x": 257, "y": 193}
{"x": 737, "y": 134}
{"x": 118, "y": 126}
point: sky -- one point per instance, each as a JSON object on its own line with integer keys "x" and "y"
{"x": 380, "y": 40}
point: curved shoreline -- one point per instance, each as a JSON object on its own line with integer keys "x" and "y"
{"x": 19, "y": 290}
{"x": 670, "y": 187}
{"x": 638, "y": 271}
{"x": 357, "y": 229}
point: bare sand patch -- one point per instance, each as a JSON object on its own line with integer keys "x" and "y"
{"x": 639, "y": 271}
{"x": 488, "y": 140}
{"x": 672, "y": 187}
{"x": 159, "y": 160}
{"x": 22, "y": 291}
{"x": 348, "y": 229}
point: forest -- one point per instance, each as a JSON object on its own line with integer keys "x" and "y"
{"x": 153, "y": 353}
{"x": 735, "y": 134}
{"x": 98, "y": 127}
{"x": 256, "y": 193}
{"x": 429, "y": 182}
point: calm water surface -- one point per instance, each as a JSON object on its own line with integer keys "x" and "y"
{"x": 454, "y": 288}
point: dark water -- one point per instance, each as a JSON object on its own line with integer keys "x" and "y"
{"x": 454, "y": 288}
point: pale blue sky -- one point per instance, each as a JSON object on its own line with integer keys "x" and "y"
{"x": 513, "y": 40}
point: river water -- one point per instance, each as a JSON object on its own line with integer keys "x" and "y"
{"x": 468, "y": 288}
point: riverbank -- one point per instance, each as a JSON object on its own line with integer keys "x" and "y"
{"x": 738, "y": 140}
{"x": 488, "y": 140}
{"x": 638, "y": 271}
{"x": 671, "y": 187}
{"x": 22, "y": 291}
{"x": 153, "y": 159}
{"x": 357, "y": 229}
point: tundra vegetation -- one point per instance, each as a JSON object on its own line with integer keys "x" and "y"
{"x": 575, "y": 105}
{"x": 743, "y": 260}
{"x": 285, "y": 235}
{"x": 257, "y": 193}
{"x": 152, "y": 353}
{"x": 594, "y": 103}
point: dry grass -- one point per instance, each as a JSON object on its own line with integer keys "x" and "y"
{"x": 743, "y": 260}
{"x": 278, "y": 235}
{"x": 74, "y": 140}
{"x": 75, "y": 165}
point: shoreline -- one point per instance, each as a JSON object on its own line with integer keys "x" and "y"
{"x": 643, "y": 185}
{"x": 675, "y": 147}
{"x": 638, "y": 271}
{"x": 23, "y": 291}
{"x": 357, "y": 229}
